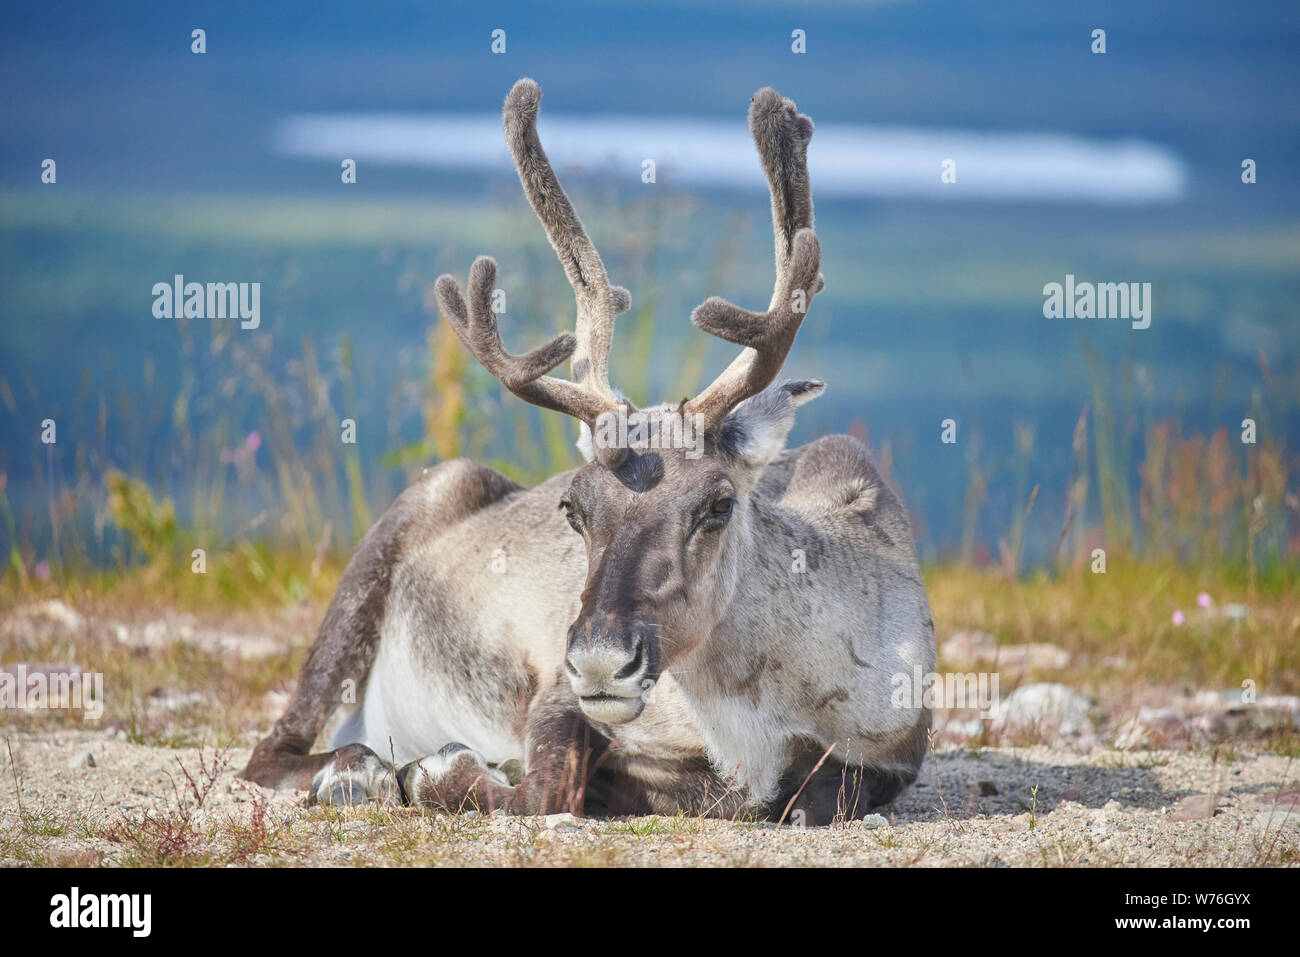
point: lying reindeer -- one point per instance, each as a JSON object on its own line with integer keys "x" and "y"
{"x": 713, "y": 631}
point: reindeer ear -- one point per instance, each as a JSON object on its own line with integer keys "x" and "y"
{"x": 756, "y": 430}
{"x": 802, "y": 390}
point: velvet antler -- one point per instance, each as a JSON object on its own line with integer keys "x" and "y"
{"x": 589, "y": 393}
{"x": 781, "y": 134}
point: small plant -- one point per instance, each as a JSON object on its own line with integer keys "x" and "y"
{"x": 39, "y": 822}
{"x": 640, "y": 827}
{"x": 172, "y": 837}
{"x": 150, "y": 523}
{"x": 956, "y": 827}
{"x": 255, "y": 837}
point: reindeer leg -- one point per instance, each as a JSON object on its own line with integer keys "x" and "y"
{"x": 348, "y": 641}
{"x": 565, "y": 769}
{"x": 344, "y": 650}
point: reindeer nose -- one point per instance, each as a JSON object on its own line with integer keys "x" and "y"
{"x": 602, "y": 666}
{"x": 614, "y": 662}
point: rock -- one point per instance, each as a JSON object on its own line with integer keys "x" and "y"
{"x": 1044, "y": 708}
{"x": 967, "y": 729}
{"x": 1242, "y": 721}
{"x": 163, "y": 700}
{"x": 1288, "y": 703}
{"x": 183, "y": 630}
{"x": 1153, "y": 727}
{"x": 86, "y": 760}
{"x": 987, "y": 788}
{"x": 1208, "y": 716}
{"x": 30, "y": 624}
{"x": 873, "y": 821}
{"x": 44, "y": 619}
{"x": 1199, "y": 807}
{"x": 1284, "y": 799}
{"x": 1273, "y": 822}
{"x": 1038, "y": 656}
{"x": 968, "y": 649}
{"x": 1281, "y": 809}
{"x": 565, "y": 821}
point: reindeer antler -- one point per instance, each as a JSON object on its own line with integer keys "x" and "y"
{"x": 781, "y": 135}
{"x": 589, "y": 393}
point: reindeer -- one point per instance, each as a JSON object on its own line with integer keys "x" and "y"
{"x": 715, "y": 632}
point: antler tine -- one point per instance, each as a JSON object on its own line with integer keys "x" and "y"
{"x": 524, "y": 375}
{"x": 781, "y": 135}
{"x": 597, "y": 301}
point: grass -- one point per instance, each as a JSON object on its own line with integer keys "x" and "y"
{"x": 171, "y": 692}
{"x": 1117, "y": 628}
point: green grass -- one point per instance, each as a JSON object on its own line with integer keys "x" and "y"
{"x": 1117, "y": 628}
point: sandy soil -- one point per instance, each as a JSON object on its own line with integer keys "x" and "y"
{"x": 93, "y": 798}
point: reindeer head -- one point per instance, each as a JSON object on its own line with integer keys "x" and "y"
{"x": 664, "y": 504}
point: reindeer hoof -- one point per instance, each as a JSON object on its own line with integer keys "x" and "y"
{"x": 450, "y": 779}
{"x": 354, "y": 776}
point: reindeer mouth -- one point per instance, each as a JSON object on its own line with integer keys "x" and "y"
{"x": 611, "y": 709}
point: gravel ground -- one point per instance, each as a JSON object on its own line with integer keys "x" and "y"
{"x": 93, "y": 798}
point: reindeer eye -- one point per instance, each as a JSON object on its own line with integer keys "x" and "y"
{"x": 715, "y": 518}
{"x": 574, "y": 522}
